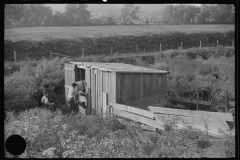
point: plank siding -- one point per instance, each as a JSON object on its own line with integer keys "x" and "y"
{"x": 101, "y": 93}
{"x": 132, "y": 87}
{"x": 139, "y": 86}
{"x": 92, "y": 91}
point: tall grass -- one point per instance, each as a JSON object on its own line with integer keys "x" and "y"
{"x": 51, "y": 134}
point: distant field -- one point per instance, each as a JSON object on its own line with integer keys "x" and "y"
{"x": 38, "y": 33}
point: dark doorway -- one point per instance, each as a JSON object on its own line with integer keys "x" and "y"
{"x": 80, "y": 74}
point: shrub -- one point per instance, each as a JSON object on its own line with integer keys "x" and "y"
{"x": 122, "y": 44}
{"x": 203, "y": 143}
{"x": 20, "y": 87}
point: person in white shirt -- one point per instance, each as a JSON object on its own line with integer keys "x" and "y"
{"x": 45, "y": 101}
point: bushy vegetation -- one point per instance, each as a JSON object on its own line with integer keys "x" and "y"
{"x": 54, "y": 135}
{"x": 21, "y": 87}
{"x": 210, "y": 69}
{"x": 120, "y": 44}
{"x": 211, "y": 76}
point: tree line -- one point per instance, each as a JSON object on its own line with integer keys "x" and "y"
{"x": 74, "y": 15}
{"x": 206, "y": 13}
{"x": 78, "y": 15}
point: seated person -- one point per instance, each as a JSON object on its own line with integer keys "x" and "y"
{"x": 45, "y": 102}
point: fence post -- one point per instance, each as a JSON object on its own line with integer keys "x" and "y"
{"x": 160, "y": 47}
{"x": 197, "y": 98}
{"x": 137, "y": 48}
{"x": 181, "y": 45}
{"x": 217, "y": 42}
{"x": 226, "y": 101}
{"x": 200, "y": 44}
{"x": 111, "y": 50}
{"x": 83, "y": 54}
{"x": 232, "y": 42}
{"x": 15, "y": 56}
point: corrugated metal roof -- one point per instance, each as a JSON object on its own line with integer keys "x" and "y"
{"x": 119, "y": 67}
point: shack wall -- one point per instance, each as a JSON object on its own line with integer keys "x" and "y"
{"x": 140, "y": 89}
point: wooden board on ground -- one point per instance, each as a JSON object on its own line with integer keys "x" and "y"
{"x": 139, "y": 118}
{"x": 134, "y": 110}
{"x": 190, "y": 113}
{"x": 213, "y": 126}
{"x": 216, "y": 125}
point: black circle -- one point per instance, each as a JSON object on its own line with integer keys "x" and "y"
{"x": 15, "y": 145}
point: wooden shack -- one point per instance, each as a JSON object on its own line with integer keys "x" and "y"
{"x": 108, "y": 83}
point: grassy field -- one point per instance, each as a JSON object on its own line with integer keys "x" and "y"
{"x": 38, "y": 33}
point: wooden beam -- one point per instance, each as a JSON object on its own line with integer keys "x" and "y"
{"x": 133, "y": 110}
{"x": 190, "y": 101}
{"x": 179, "y": 99}
{"x": 138, "y": 118}
{"x": 139, "y": 71}
{"x": 190, "y": 113}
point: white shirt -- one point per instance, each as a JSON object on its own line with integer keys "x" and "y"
{"x": 44, "y": 100}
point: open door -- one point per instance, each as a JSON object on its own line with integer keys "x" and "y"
{"x": 69, "y": 77}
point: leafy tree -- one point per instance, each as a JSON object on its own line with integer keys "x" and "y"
{"x": 130, "y": 12}
{"x": 107, "y": 20}
{"x": 223, "y": 13}
{"x": 205, "y": 13}
{"x": 36, "y": 14}
{"x": 191, "y": 12}
{"x": 13, "y": 13}
{"x": 77, "y": 14}
{"x": 168, "y": 14}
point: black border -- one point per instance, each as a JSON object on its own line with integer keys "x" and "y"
{"x": 235, "y": 2}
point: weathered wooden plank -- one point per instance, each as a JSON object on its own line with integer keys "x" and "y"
{"x": 92, "y": 91}
{"x": 104, "y": 81}
{"x": 101, "y": 93}
{"x": 133, "y": 110}
{"x": 113, "y": 80}
{"x": 137, "y": 83}
{"x": 118, "y": 90}
{"x": 190, "y": 113}
{"x": 138, "y": 71}
{"x": 197, "y": 125}
{"x": 191, "y": 101}
{"x": 109, "y": 93}
{"x": 213, "y": 124}
{"x": 104, "y": 104}
{"x": 98, "y": 92}
{"x": 88, "y": 82}
{"x": 125, "y": 88}
{"x": 141, "y": 86}
{"x": 232, "y": 103}
{"x": 138, "y": 118}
